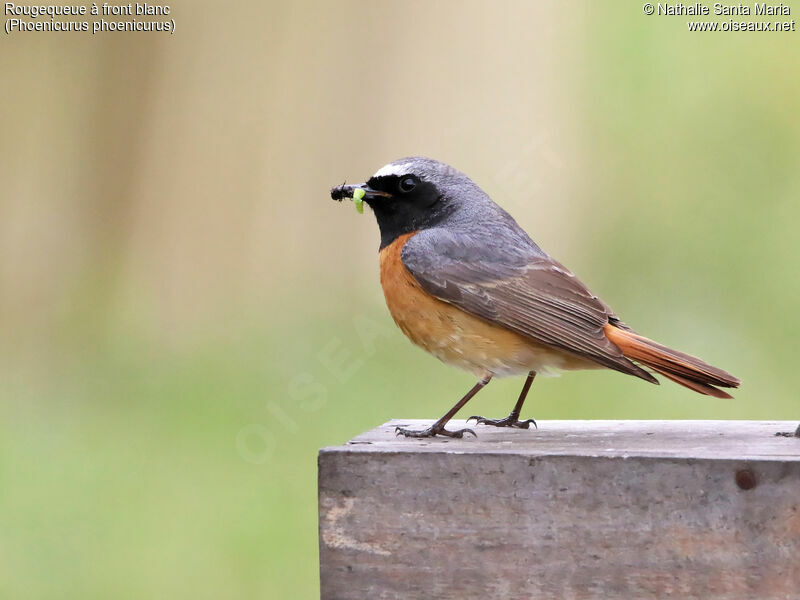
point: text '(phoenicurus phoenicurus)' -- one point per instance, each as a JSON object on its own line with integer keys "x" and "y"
{"x": 463, "y": 281}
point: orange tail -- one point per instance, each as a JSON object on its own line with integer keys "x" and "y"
{"x": 681, "y": 368}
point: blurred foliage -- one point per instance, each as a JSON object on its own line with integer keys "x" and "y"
{"x": 176, "y": 286}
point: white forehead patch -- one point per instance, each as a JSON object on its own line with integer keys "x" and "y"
{"x": 393, "y": 169}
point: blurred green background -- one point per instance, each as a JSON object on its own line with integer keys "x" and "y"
{"x": 187, "y": 317}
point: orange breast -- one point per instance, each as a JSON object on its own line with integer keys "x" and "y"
{"x": 457, "y": 337}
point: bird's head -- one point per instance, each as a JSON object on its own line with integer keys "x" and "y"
{"x": 411, "y": 194}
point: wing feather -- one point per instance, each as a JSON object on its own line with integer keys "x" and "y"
{"x": 517, "y": 287}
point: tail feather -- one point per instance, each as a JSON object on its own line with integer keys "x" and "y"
{"x": 688, "y": 371}
{"x": 702, "y": 388}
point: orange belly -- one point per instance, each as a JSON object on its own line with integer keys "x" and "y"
{"x": 459, "y": 338}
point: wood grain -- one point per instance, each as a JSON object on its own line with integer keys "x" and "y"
{"x": 577, "y": 509}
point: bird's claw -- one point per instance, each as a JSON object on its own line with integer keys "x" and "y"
{"x": 433, "y": 431}
{"x": 509, "y": 421}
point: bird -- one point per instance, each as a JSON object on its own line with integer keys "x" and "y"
{"x": 466, "y": 283}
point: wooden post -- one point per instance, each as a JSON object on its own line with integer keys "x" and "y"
{"x": 573, "y": 510}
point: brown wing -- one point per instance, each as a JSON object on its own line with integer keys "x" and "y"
{"x": 519, "y": 288}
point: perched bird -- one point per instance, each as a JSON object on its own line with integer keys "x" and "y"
{"x": 463, "y": 281}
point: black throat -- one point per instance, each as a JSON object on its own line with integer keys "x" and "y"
{"x": 405, "y": 209}
{"x": 395, "y": 220}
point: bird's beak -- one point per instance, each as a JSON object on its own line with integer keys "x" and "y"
{"x": 345, "y": 192}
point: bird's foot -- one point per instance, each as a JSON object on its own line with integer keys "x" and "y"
{"x": 433, "y": 431}
{"x": 789, "y": 433}
{"x": 511, "y": 420}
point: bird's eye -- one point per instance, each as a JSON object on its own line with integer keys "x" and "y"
{"x": 407, "y": 184}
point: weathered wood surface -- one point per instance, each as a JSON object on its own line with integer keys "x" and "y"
{"x": 573, "y": 510}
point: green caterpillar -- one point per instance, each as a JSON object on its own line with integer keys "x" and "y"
{"x": 358, "y": 200}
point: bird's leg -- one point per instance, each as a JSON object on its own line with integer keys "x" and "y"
{"x": 511, "y": 420}
{"x": 438, "y": 427}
